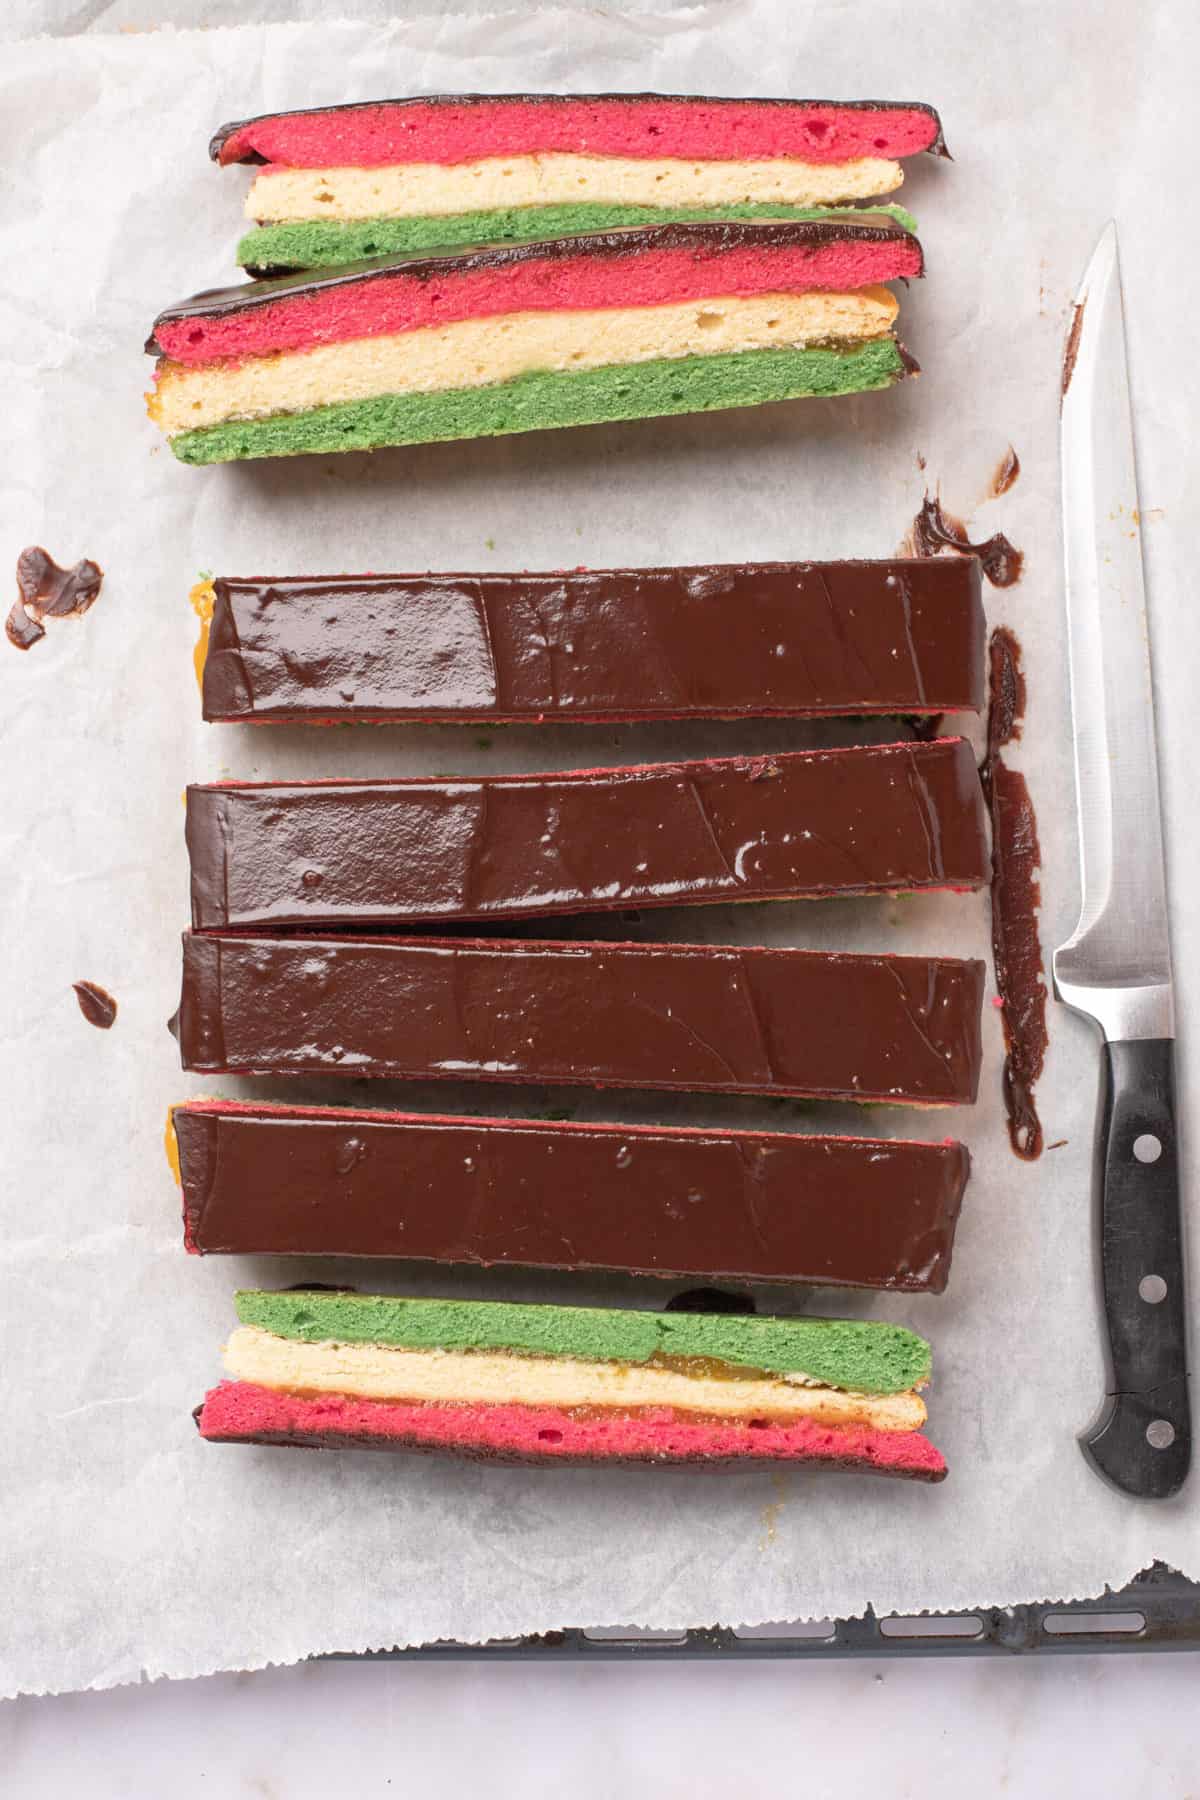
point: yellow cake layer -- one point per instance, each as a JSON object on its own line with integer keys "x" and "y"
{"x": 493, "y": 1378}
{"x": 478, "y": 352}
{"x": 407, "y": 190}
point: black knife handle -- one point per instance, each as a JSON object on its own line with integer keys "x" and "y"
{"x": 1143, "y": 1442}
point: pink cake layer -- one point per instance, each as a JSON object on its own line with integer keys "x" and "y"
{"x": 241, "y": 1412}
{"x": 455, "y": 131}
{"x": 381, "y": 305}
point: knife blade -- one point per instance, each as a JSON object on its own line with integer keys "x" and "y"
{"x": 1115, "y": 968}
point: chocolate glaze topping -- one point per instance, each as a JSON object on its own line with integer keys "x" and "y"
{"x": 671, "y": 1016}
{"x": 48, "y": 592}
{"x": 1016, "y": 897}
{"x": 706, "y": 239}
{"x": 754, "y": 640}
{"x": 96, "y": 1004}
{"x": 732, "y": 1205}
{"x": 224, "y": 132}
{"x": 935, "y": 530}
{"x": 876, "y": 818}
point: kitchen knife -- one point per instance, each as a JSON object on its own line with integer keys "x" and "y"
{"x": 1116, "y": 966}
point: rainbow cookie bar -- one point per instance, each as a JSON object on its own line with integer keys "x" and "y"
{"x": 723, "y": 640}
{"x": 872, "y": 819}
{"x": 619, "y": 325}
{"x": 565, "y": 1384}
{"x": 703, "y": 1017}
{"x": 434, "y": 174}
{"x": 677, "y": 1202}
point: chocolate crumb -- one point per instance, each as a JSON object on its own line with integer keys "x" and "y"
{"x": 96, "y": 1004}
{"x": 1072, "y": 349}
{"x": 908, "y": 361}
{"x": 47, "y": 591}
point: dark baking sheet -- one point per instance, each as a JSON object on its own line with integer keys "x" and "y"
{"x": 1159, "y": 1610}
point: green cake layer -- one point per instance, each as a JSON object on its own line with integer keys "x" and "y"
{"x": 863, "y": 1356}
{"x": 541, "y": 400}
{"x": 326, "y": 243}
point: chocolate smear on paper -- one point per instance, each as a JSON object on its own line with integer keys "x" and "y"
{"x": 1016, "y": 897}
{"x": 47, "y": 591}
{"x": 935, "y": 530}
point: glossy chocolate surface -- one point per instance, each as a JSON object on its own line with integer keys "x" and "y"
{"x": 752, "y": 640}
{"x": 741, "y": 1205}
{"x": 873, "y": 819}
{"x": 705, "y": 1017}
{"x": 704, "y": 238}
{"x": 224, "y": 132}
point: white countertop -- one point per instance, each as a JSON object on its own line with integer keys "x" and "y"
{"x": 1124, "y": 1725}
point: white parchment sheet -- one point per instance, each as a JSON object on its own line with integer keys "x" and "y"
{"x": 129, "y": 1546}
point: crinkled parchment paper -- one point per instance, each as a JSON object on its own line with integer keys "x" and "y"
{"x": 128, "y": 1545}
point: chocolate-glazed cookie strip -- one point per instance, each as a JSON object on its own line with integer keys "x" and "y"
{"x": 873, "y": 819}
{"x": 670, "y": 1016}
{"x": 752, "y": 640}
{"x": 647, "y": 1200}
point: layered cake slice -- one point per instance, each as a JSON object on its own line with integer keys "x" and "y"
{"x": 435, "y": 173}
{"x": 576, "y": 331}
{"x": 671, "y": 1016}
{"x": 670, "y": 1201}
{"x": 874, "y": 819}
{"x": 540, "y": 1384}
{"x": 739, "y": 640}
